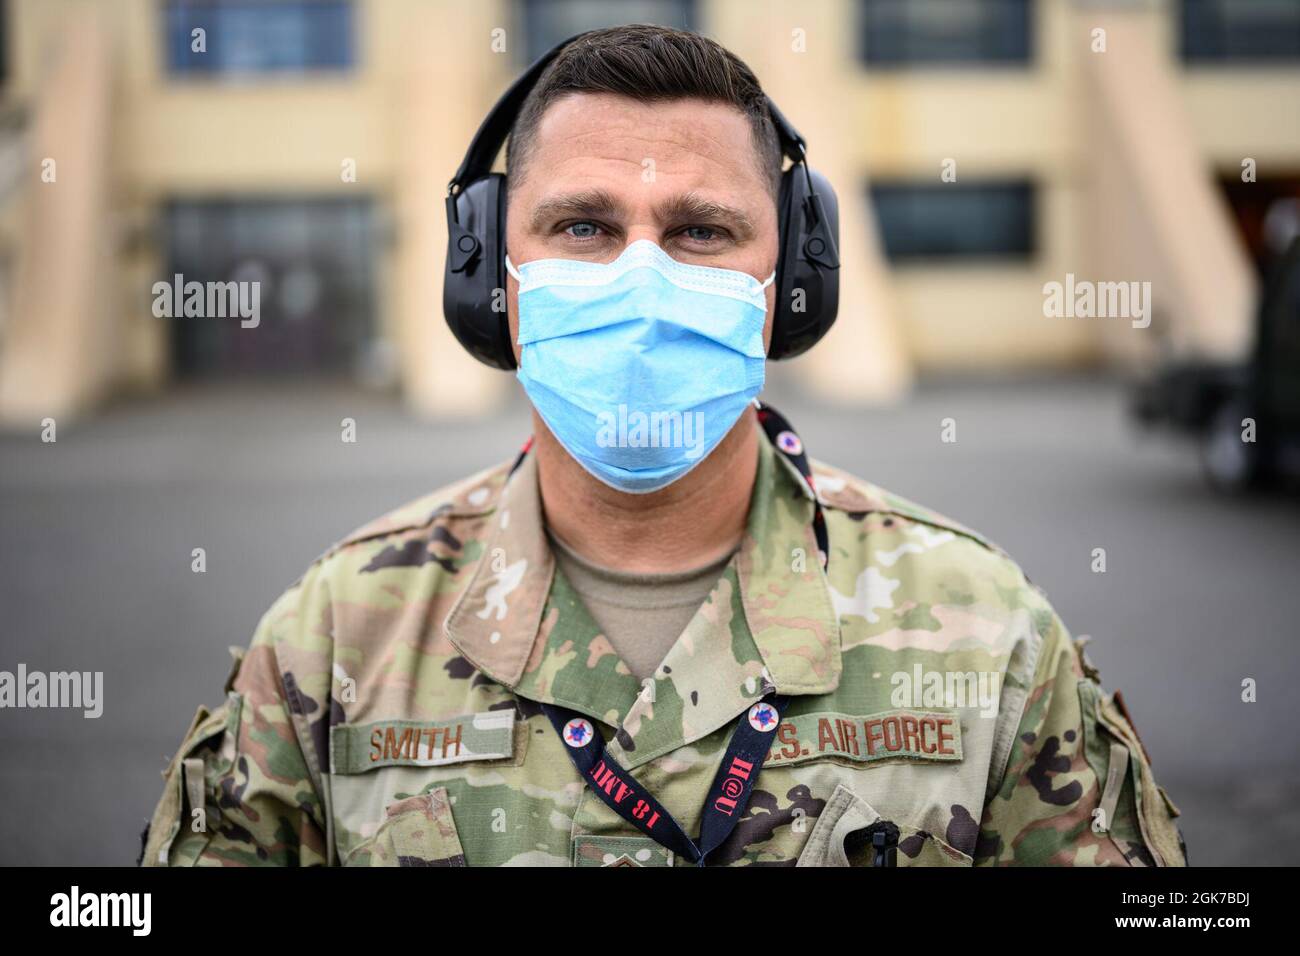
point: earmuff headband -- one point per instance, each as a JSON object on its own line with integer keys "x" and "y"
{"x": 495, "y": 128}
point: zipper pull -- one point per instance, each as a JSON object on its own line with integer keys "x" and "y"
{"x": 881, "y": 836}
{"x": 885, "y": 842}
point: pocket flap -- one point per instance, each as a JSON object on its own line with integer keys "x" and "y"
{"x": 845, "y": 812}
{"x": 417, "y": 831}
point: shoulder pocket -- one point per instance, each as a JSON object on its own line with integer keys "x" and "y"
{"x": 832, "y": 842}
{"x": 206, "y": 751}
{"x": 1131, "y": 807}
{"x": 417, "y": 831}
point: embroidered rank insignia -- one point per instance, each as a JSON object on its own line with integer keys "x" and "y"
{"x": 620, "y": 851}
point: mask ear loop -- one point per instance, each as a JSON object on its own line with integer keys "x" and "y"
{"x": 766, "y": 282}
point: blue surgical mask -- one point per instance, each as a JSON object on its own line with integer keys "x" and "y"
{"x": 639, "y": 366}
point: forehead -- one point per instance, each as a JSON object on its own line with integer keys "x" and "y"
{"x": 688, "y": 143}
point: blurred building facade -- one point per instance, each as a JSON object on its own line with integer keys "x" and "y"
{"x": 980, "y": 149}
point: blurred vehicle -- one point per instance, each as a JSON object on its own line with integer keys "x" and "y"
{"x": 1216, "y": 402}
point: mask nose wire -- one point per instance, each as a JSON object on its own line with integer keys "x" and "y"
{"x": 514, "y": 272}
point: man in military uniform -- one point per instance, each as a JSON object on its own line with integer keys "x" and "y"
{"x": 620, "y": 652}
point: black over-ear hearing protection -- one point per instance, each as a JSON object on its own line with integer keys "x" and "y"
{"x": 807, "y": 272}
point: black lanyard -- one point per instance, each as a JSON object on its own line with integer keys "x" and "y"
{"x": 784, "y": 440}
{"x": 749, "y": 746}
{"x": 727, "y": 799}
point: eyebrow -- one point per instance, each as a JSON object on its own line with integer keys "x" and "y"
{"x": 691, "y": 207}
{"x": 590, "y": 202}
{"x": 684, "y": 208}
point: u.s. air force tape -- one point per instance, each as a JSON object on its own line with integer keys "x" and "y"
{"x": 891, "y": 734}
{"x": 357, "y": 748}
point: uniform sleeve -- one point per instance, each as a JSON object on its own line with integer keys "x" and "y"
{"x": 1078, "y": 788}
{"x": 242, "y": 790}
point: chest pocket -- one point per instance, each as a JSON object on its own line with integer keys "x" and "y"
{"x": 417, "y": 831}
{"x": 836, "y": 839}
{"x": 375, "y": 767}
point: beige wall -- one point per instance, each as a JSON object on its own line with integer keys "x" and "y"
{"x": 998, "y": 123}
{"x": 61, "y": 348}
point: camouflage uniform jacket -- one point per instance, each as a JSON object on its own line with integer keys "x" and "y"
{"x": 387, "y": 712}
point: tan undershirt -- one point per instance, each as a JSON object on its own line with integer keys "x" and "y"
{"x": 641, "y": 615}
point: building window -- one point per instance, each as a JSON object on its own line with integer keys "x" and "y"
{"x": 547, "y": 22}
{"x": 209, "y": 37}
{"x": 1227, "y": 31}
{"x": 305, "y": 264}
{"x": 955, "y": 220}
{"x": 896, "y": 34}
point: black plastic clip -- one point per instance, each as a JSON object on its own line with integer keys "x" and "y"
{"x": 881, "y": 836}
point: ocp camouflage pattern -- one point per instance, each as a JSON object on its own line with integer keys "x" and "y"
{"x": 387, "y": 711}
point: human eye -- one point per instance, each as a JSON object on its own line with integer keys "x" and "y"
{"x": 701, "y": 239}
{"x": 584, "y": 230}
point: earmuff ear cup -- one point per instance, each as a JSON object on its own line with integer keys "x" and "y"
{"x": 808, "y": 278}
{"x": 473, "y": 288}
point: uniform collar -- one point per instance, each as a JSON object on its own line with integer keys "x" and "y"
{"x": 496, "y": 620}
{"x": 769, "y": 623}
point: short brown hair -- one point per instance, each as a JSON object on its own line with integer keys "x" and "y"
{"x": 649, "y": 63}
